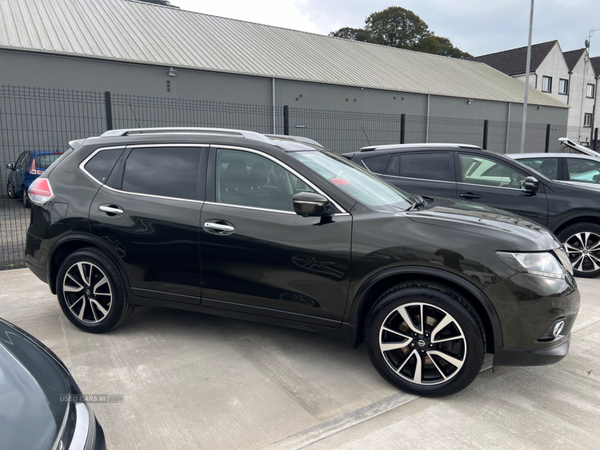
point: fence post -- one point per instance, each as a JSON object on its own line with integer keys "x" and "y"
{"x": 485, "y": 133}
{"x": 595, "y": 138}
{"x": 286, "y": 120}
{"x": 108, "y": 106}
{"x": 403, "y": 128}
{"x": 547, "y": 146}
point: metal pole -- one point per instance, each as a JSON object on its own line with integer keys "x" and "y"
{"x": 274, "y": 113}
{"x": 485, "y": 133}
{"x": 427, "y": 121}
{"x": 547, "y": 146}
{"x": 108, "y": 107}
{"x": 596, "y": 139}
{"x": 403, "y": 128}
{"x": 507, "y": 128}
{"x": 528, "y": 68}
{"x": 286, "y": 120}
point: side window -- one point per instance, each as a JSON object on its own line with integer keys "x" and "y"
{"x": 394, "y": 167}
{"x": 583, "y": 170}
{"x": 485, "y": 171}
{"x": 247, "y": 179}
{"x": 546, "y": 166}
{"x": 429, "y": 166}
{"x": 102, "y": 164}
{"x": 377, "y": 164}
{"x": 168, "y": 172}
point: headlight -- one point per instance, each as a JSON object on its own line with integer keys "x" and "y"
{"x": 544, "y": 264}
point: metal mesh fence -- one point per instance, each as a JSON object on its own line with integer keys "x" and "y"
{"x": 35, "y": 119}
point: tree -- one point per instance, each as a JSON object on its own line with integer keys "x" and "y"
{"x": 401, "y": 28}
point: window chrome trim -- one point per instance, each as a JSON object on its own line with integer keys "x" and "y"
{"x": 153, "y": 195}
{"x": 265, "y": 209}
{"x": 419, "y": 179}
{"x": 94, "y": 153}
{"x": 286, "y": 167}
{"x": 495, "y": 187}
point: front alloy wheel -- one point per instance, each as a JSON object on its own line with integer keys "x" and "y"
{"x": 582, "y": 242}
{"x": 424, "y": 339}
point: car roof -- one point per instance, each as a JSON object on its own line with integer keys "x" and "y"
{"x": 428, "y": 146}
{"x": 550, "y": 155}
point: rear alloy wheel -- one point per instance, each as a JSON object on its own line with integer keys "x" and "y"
{"x": 582, "y": 242}
{"x": 91, "y": 293}
{"x": 424, "y": 340}
{"x": 25, "y": 196}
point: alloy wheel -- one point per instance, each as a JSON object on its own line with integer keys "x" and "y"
{"x": 422, "y": 343}
{"x": 87, "y": 292}
{"x": 584, "y": 251}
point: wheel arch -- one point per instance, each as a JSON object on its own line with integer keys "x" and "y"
{"x": 372, "y": 289}
{"x": 567, "y": 222}
{"x": 65, "y": 246}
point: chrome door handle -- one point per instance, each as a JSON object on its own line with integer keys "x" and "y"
{"x": 110, "y": 209}
{"x": 219, "y": 226}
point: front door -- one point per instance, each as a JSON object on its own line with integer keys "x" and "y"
{"x": 487, "y": 180}
{"x": 151, "y": 220}
{"x": 258, "y": 255}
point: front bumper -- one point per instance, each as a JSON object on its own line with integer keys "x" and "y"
{"x": 531, "y": 356}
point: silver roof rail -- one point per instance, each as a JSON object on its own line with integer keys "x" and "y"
{"x": 302, "y": 139}
{"x": 188, "y": 130}
{"x": 428, "y": 145}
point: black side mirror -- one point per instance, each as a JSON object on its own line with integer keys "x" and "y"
{"x": 310, "y": 204}
{"x": 532, "y": 184}
{"x": 10, "y": 167}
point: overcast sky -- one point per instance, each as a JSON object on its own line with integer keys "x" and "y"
{"x": 475, "y": 26}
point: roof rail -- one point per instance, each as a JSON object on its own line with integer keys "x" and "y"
{"x": 188, "y": 130}
{"x": 434, "y": 145}
{"x": 286, "y": 137}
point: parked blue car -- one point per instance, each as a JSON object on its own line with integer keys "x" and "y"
{"x": 30, "y": 165}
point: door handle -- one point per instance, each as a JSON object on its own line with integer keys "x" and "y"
{"x": 111, "y": 209}
{"x": 219, "y": 227}
{"x": 469, "y": 195}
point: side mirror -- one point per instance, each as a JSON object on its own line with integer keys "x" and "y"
{"x": 596, "y": 178}
{"x": 310, "y": 204}
{"x": 532, "y": 184}
{"x": 10, "y": 167}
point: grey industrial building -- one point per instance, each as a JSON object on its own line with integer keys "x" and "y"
{"x": 130, "y": 47}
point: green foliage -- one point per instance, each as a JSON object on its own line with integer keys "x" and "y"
{"x": 401, "y": 28}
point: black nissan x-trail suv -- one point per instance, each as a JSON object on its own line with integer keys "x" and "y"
{"x": 278, "y": 230}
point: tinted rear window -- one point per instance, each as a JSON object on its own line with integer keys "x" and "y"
{"x": 44, "y": 161}
{"x": 377, "y": 164}
{"x": 102, "y": 164}
{"x": 430, "y": 166}
{"x": 168, "y": 172}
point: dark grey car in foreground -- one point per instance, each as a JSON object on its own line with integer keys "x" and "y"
{"x": 35, "y": 413}
{"x": 278, "y": 230}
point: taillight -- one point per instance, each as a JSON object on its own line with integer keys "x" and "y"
{"x": 40, "y": 191}
{"x": 33, "y": 170}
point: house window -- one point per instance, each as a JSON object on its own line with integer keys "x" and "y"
{"x": 590, "y": 91}
{"x": 563, "y": 86}
{"x": 587, "y": 120}
{"x": 547, "y": 84}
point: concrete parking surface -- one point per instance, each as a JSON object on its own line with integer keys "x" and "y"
{"x": 196, "y": 381}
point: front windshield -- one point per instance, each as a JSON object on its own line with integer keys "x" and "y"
{"x": 353, "y": 180}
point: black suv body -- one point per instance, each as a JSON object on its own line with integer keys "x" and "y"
{"x": 278, "y": 230}
{"x": 468, "y": 173}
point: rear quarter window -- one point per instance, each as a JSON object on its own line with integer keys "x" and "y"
{"x": 102, "y": 164}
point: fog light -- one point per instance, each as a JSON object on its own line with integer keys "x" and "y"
{"x": 558, "y": 328}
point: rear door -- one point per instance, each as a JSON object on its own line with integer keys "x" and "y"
{"x": 148, "y": 212}
{"x": 491, "y": 181}
{"x": 427, "y": 173}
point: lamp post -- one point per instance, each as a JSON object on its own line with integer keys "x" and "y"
{"x": 524, "y": 124}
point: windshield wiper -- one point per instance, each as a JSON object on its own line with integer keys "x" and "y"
{"x": 420, "y": 201}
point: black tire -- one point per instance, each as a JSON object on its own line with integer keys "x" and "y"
{"x": 439, "y": 378}
{"x": 585, "y": 265}
{"x": 95, "y": 292}
{"x": 10, "y": 190}
{"x": 25, "y": 197}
